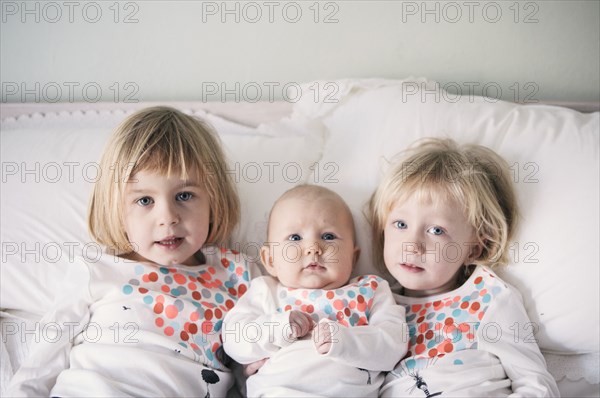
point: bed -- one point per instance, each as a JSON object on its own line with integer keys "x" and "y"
{"x": 341, "y": 138}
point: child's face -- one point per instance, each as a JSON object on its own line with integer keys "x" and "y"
{"x": 310, "y": 243}
{"x": 426, "y": 245}
{"x": 166, "y": 218}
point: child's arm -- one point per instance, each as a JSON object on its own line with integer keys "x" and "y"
{"x": 507, "y": 332}
{"x": 377, "y": 346}
{"x": 252, "y": 329}
{"x": 49, "y": 353}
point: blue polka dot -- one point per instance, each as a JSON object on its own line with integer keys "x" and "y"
{"x": 410, "y": 364}
{"x": 139, "y": 269}
{"x": 486, "y": 298}
{"x": 456, "y": 312}
{"x": 458, "y": 362}
{"x": 441, "y": 316}
{"x": 164, "y": 270}
{"x": 351, "y": 294}
{"x": 148, "y": 299}
{"x": 219, "y": 298}
{"x": 127, "y": 289}
{"x": 218, "y": 325}
{"x": 174, "y": 292}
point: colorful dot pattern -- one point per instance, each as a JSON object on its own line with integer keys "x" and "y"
{"x": 450, "y": 324}
{"x": 190, "y": 306}
{"x": 349, "y": 305}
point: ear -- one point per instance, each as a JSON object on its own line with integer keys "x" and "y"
{"x": 475, "y": 251}
{"x": 267, "y": 260}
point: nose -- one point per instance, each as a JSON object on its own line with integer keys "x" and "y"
{"x": 168, "y": 215}
{"x": 314, "y": 249}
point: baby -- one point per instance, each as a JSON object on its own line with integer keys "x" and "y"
{"x": 323, "y": 333}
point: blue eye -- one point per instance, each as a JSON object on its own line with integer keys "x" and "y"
{"x": 400, "y": 224}
{"x": 184, "y": 196}
{"x": 294, "y": 237}
{"x": 436, "y": 230}
{"x": 328, "y": 236}
{"x": 145, "y": 201}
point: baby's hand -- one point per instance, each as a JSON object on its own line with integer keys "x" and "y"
{"x": 323, "y": 338}
{"x": 300, "y": 323}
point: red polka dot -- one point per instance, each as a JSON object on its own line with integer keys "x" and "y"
{"x": 330, "y": 294}
{"x": 361, "y": 306}
{"x": 310, "y": 308}
{"x": 360, "y": 298}
{"x": 193, "y": 328}
{"x": 179, "y": 279}
{"x": 432, "y": 353}
{"x": 158, "y": 308}
{"x": 143, "y": 290}
{"x": 242, "y": 289}
{"x": 165, "y": 288}
{"x": 416, "y": 307}
{"x": 362, "y": 321}
{"x": 239, "y": 271}
{"x": 449, "y": 321}
{"x": 208, "y": 314}
{"x": 288, "y": 308}
{"x": 448, "y": 347}
{"x": 194, "y": 316}
{"x": 419, "y": 348}
{"x": 420, "y": 319}
{"x": 207, "y": 327}
{"x": 420, "y": 338}
{"x": 160, "y": 299}
{"x": 352, "y": 304}
{"x": 192, "y": 286}
{"x": 218, "y": 314}
{"x": 153, "y": 276}
{"x": 169, "y": 331}
{"x": 184, "y": 336}
{"x": 212, "y": 270}
{"x": 422, "y": 327}
{"x": 225, "y": 262}
{"x": 196, "y": 295}
{"x": 171, "y": 311}
{"x": 475, "y": 306}
{"x": 340, "y": 315}
{"x": 159, "y": 322}
{"x": 229, "y": 304}
{"x": 478, "y": 280}
{"x": 338, "y": 304}
{"x": 464, "y": 304}
{"x": 145, "y": 278}
{"x": 429, "y": 334}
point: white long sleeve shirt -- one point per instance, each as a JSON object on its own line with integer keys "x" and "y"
{"x": 475, "y": 341}
{"x": 123, "y": 328}
{"x": 369, "y": 337}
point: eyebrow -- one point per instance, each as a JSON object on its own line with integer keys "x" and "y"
{"x": 186, "y": 184}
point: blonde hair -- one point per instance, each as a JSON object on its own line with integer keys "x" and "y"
{"x": 166, "y": 141}
{"x": 471, "y": 175}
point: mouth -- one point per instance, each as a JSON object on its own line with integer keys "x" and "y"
{"x": 170, "y": 242}
{"x": 314, "y": 267}
{"x": 411, "y": 268}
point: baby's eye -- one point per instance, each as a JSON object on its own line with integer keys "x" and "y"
{"x": 328, "y": 236}
{"x": 145, "y": 201}
{"x": 436, "y": 230}
{"x": 400, "y": 224}
{"x": 184, "y": 196}
{"x": 294, "y": 237}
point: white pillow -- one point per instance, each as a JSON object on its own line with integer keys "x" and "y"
{"x": 50, "y": 162}
{"x": 554, "y": 156}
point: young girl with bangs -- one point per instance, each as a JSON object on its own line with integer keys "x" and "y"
{"x": 145, "y": 318}
{"x": 442, "y": 219}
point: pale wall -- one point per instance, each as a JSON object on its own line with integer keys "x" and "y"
{"x": 179, "y": 50}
